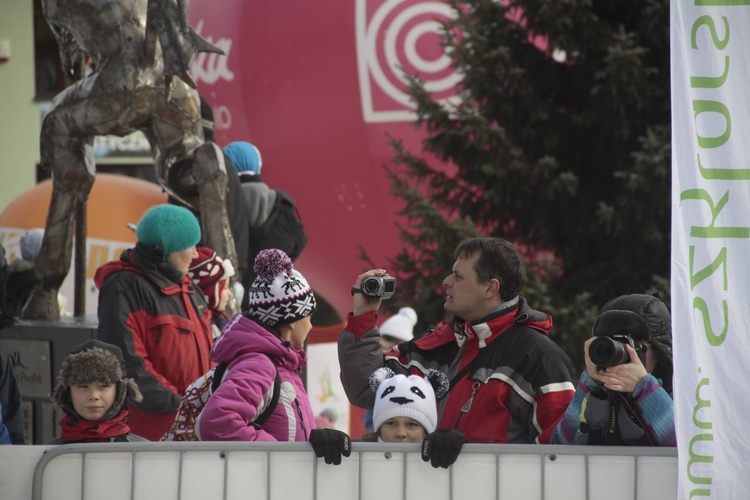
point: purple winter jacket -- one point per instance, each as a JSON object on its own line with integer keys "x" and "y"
{"x": 247, "y": 388}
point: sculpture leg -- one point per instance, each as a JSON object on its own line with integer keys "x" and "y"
{"x": 211, "y": 175}
{"x": 193, "y": 170}
{"x": 71, "y": 162}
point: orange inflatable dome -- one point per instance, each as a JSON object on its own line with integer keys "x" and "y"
{"x": 114, "y": 201}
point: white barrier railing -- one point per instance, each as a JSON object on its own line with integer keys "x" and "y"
{"x": 280, "y": 471}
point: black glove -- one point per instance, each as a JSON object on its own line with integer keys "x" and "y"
{"x": 441, "y": 448}
{"x": 330, "y": 444}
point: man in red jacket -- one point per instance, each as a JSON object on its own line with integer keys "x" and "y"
{"x": 150, "y": 309}
{"x": 509, "y": 382}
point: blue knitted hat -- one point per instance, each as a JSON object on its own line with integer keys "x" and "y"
{"x": 245, "y": 157}
{"x": 169, "y": 227}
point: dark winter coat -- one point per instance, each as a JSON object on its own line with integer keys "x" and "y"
{"x": 164, "y": 331}
{"x": 516, "y": 392}
{"x": 10, "y": 399}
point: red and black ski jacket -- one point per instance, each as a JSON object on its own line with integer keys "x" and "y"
{"x": 509, "y": 382}
{"x": 164, "y": 331}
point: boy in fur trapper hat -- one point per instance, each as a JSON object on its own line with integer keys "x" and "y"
{"x": 624, "y": 395}
{"x": 93, "y": 392}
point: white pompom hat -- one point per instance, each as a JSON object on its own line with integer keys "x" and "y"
{"x": 401, "y": 325}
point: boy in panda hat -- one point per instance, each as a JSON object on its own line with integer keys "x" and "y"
{"x": 93, "y": 391}
{"x": 405, "y": 407}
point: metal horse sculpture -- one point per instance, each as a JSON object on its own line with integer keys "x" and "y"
{"x": 140, "y": 51}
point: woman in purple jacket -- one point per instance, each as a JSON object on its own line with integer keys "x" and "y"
{"x": 267, "y": 339}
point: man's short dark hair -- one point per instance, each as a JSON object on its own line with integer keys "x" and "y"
{"x": 498, "y": 259}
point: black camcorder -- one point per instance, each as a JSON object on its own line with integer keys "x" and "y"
{"x": 378, "y": 287}
{"x": 610, "y": 351}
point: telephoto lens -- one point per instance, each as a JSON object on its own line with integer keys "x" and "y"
{"x": 605, "y": 351}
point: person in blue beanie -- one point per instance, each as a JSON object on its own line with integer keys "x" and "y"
{"x": 271, "y": 214}
{"x": 259, "y": 197}
{"x": 150, "y": 309}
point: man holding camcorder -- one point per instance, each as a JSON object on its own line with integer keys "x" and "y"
{"x": 624, "y": 395}
{"x": 509, "y": 383}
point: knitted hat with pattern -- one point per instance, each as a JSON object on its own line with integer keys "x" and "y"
{"x": 280, "y": 294}
{"x": 95, "y": 361}
{"x": 211, "y": 273}
{"x": 412, "y": 396}
{"x": 169, "y": 228}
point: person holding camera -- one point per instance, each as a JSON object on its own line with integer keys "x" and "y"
{"x": 624, "y": 395}
{"x": 509, "y": 383}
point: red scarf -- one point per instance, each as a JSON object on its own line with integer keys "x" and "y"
{"x": 94, "y": 431}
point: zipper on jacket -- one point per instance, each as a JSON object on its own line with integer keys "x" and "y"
{"x": 301, "y": 418}
{"x": 467, "y": 405}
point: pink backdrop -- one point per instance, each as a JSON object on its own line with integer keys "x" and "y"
{"x": 313, "y": 85}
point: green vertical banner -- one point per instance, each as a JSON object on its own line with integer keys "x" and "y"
{"x": 710, "y": 45}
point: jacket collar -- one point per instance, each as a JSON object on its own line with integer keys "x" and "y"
{"x": 482, "y": 327}
{"x": 131, "y": 261}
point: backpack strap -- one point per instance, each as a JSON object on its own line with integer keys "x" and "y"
{"x": 219, "y": 371}
{"x": 258, "y": 423}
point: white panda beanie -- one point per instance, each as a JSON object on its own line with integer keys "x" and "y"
{"x": 412, "y": 396}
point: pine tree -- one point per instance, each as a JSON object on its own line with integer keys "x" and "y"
{"x": 566, "y": 156}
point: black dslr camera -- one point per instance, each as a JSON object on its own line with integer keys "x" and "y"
{"x": 378, "y": 287}
{"x": 610, "y": 351}
{"x": 614, "y": 330}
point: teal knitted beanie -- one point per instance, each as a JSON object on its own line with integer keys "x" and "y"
{"x": 169, "y": 227}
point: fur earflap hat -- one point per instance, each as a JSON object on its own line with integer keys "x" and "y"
{"x": 211, "y": 273}
{"x": 95, "y": 361}
{"x": 280, "y": 294}
{"x": 643, "y": 317}
{"x": 413, "y": 396}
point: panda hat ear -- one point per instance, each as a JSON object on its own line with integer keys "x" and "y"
{"x": 379, "y": 376}
{"x": 439, "y": 382}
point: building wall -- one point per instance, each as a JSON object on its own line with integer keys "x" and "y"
{"x": 20, "y": 119}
